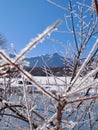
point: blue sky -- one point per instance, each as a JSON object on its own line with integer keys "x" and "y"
{"x": 22, "y": 20}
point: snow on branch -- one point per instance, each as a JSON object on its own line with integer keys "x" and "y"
{"x": 86, "y": 61}
{"x": 4, "y": 56}
{"x": 46, "y": 123}
{"x": 57, "y": 5}
{"x": 28, "y": 76}
{"x": 38, "y": 39}
{"x": 89, "y": 85}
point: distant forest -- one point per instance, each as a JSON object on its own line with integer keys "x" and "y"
{"x": 57, "y": 71}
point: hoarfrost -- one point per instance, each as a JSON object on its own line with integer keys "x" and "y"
{"x": 37, "y": 40}
{"x": 71, "y": 125}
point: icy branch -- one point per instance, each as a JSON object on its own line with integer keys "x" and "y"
{"x": 29, "y": 77}
{"x": 89, "y": 85}
{"x": 38, "y": 39}
{"x": 85, "y": 62}
{"x": 44, "y": 126}
{"x": 57, "y": 5}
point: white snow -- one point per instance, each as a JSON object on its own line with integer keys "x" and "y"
{"x": 55, "y": 84}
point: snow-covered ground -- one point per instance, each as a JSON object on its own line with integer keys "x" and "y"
{"x": 57, "y": 85}
{"x": 52, "y": 83}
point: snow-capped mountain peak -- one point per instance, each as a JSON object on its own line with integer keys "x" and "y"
{"x": 51, "y": 60}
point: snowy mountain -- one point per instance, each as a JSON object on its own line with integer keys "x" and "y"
{"x": 51, "y": 60}
{"x": 48, "y": 60}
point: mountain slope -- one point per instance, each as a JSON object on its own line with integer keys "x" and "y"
{"x": 54, "y": 60}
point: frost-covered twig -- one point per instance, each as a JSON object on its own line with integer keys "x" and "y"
{"x": 88, "y": 75}
{"x": 73, "y": 27}
{"x": 91, "y": 85}
{"x": 82, "y": 99}
{"x": 85, "y": 62}
{"x": 46, "y": 123}
{"x": 27, "y": 105}
{"x": 29, "y": 77}
{"x": 38, "y": 39}
{"x": 57, "y": 5}
{"x": 41, "y": 88}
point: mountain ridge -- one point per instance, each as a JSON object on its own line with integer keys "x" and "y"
{"x": 50, "y": 60}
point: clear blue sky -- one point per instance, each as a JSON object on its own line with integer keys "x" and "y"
{"x": 22, "y": 20}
